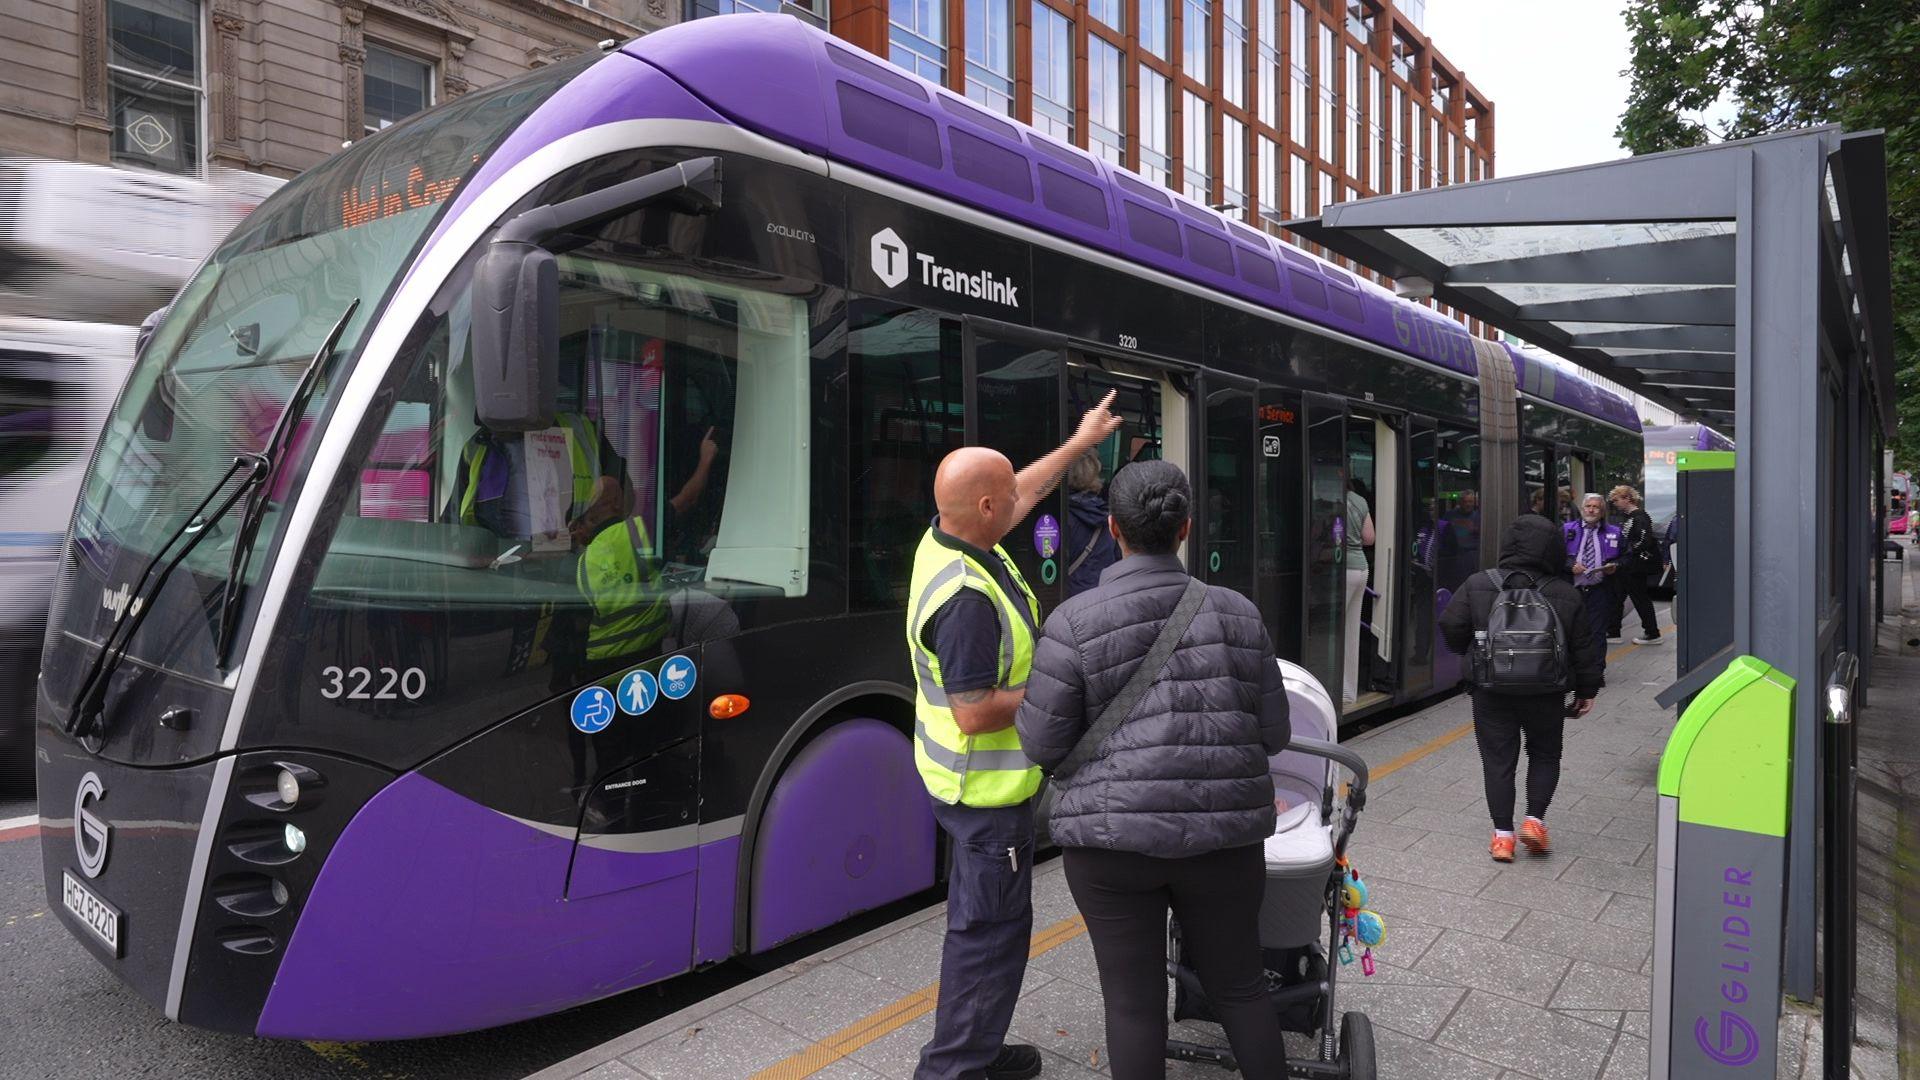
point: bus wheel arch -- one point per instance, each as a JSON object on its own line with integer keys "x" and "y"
{"x": 805, "y": 819}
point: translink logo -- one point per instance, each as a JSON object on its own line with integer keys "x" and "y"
{"x": 892, "y": 263}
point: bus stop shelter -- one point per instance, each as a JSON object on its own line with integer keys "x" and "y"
{"x": 1745, "y": 284}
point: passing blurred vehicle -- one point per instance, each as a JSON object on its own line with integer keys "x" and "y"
{"x": 86, "y": 252}
{"x": 57, "y": 382}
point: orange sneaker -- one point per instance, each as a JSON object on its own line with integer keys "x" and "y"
{"x": 1501, "y": 848}
{"x": 1534, "y": 835}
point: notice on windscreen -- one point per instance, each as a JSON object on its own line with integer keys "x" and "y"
{"x": 549, "y": 489}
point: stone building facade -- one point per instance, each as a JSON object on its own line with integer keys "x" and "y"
{"x": 271, "y": 86}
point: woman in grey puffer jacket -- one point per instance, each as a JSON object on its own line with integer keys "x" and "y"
{"x": 1172, "y": 808}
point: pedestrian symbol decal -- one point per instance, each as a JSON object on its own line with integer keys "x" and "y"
{"x": 593, "y": 709}
{"x": 638, "y": 691}
{"x": 677, "y": 677}
{"x": 1046, "y": 536}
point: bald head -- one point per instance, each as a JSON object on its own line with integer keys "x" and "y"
{"x": 976, "y": 493}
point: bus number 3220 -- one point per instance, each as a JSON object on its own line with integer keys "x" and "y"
{"x": 410, "y": 684}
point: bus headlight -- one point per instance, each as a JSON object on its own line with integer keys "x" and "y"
{"x": 289, "y": 786}
{"x": 295, "y": 839}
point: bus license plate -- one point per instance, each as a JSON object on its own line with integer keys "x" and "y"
{"x": 96, "y": 914}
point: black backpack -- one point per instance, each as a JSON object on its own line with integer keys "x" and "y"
{"x": 1523, "y": 649}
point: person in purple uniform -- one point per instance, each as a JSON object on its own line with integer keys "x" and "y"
{"x": 1594, "y": 548}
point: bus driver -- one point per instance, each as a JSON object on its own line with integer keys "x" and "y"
{"x": 971, "y": 630}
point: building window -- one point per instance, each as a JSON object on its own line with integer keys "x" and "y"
{"x": 1327, "y": 105}
{"x": 1233, "y": 53}
{"x": 1434, "y": 152}
{"x": 396, "y": 86}
{"x": 1327, "y": 190}
{"x": 157, "y": 83}
{"x": 1405, "y": 56}
{"x": 1298, "y": 127}
{"x": 1356, "y": 136}
{"x": 1199, "y": 175}
{"x": 1155, "y": 146}
{"x": 1156, "y": 19}
{"x": 990, "y": 54}
{"x": 1233, "y": 164}
{"x": 918, "y": 38}
{"x": 1111, "y": 12}
{"x": 1106, "y": 101}
{"x": 1297, "y": 188}
{"x": 1267, "y": 62}
{"x": 1196, "y": 40}
{"x": 1269, "y": 163}
{"x": 1052, "y": 73}
{"x": 1396, "y": 137}
{"x": 1360, "y": 19}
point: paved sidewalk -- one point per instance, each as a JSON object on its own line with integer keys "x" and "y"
{"x": 1538, "y": 969}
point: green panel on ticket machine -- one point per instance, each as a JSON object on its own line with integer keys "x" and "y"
{"x": 1720, "y": 877}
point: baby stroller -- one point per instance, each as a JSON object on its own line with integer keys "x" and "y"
{"x": 1302, "y": 906}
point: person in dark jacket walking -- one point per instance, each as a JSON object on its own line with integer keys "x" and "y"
{"x": 1534, "y": 550}
{"x": 1090, "y": 547}
{"x": 1171, "y": 809}
{"x": 1639, "y": 561}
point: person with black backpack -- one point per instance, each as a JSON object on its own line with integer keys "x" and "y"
{"x": 1525, "y": 633}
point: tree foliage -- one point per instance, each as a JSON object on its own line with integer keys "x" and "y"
{"x": 1788, "y": 64}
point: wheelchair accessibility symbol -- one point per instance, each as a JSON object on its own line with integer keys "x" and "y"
{"x": 593, "y": 709}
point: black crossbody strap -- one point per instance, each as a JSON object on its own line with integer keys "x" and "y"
{"x": 1092, "y": 542}
{"x": 1120, "y": 709}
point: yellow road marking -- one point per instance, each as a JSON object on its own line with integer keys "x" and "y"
{"x": 886, "y": 1021}
{"x": 878, "y": 1025}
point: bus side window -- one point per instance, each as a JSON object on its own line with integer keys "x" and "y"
{"x": 907, "y": 413}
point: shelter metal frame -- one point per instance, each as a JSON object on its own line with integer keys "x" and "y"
{"x": 1745, "y": 284}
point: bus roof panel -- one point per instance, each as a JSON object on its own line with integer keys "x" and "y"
{"x": 789, "y": 81}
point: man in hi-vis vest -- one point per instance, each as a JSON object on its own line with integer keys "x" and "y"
{"x": 971, "y": 625}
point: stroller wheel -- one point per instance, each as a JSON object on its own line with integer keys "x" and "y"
{"x": 1356, "y": 1046}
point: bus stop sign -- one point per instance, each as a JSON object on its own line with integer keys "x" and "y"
{"x": 1720, "y": 877}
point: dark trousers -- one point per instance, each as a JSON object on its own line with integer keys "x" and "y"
{"x": 1601, "y": 600}
{"x": 1216, "y": 897}
{"x": 989, "y": 930}
{"x": 1499, "y": 721}
{"x": 1631, "y": 586}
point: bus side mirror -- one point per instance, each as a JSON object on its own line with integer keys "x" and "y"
{"x": 516, "y": 288}
{"x": 516, "y": 337}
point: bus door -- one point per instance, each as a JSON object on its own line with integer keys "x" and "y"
{"x": 1015, "y": 404}
{"x": 1283, "y": 569}
{"x": 1223, "y": 551}
{"x": 1580, "y": 477}
{"x": 1376, "y": 485}
{"x": 1423, "y": 542}
{"x": 1324, "y": 519}
{"x": 1148, "y": 402}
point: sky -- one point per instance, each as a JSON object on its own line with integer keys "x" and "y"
{"x": 1552, "y": 68}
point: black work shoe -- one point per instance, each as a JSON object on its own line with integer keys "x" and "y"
{"x": 1017, "y": 1061}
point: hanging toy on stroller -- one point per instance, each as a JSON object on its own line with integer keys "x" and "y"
{"x": 1313, "y": 896}
{"x": 1357, "y": 923}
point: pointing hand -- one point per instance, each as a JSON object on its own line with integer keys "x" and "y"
{"x": 1098, "y": 423}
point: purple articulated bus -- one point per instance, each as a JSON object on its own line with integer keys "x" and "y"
{"x": 1663, "y": 445}
{"x": 487, "y": 594}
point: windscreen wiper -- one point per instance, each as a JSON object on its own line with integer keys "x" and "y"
{"x": 266, "y": 464}
{"x": 84, "y": 716}
{"x": 134, "y": 604}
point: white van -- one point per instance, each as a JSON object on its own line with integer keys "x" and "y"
{"x": 57, "y": 382}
